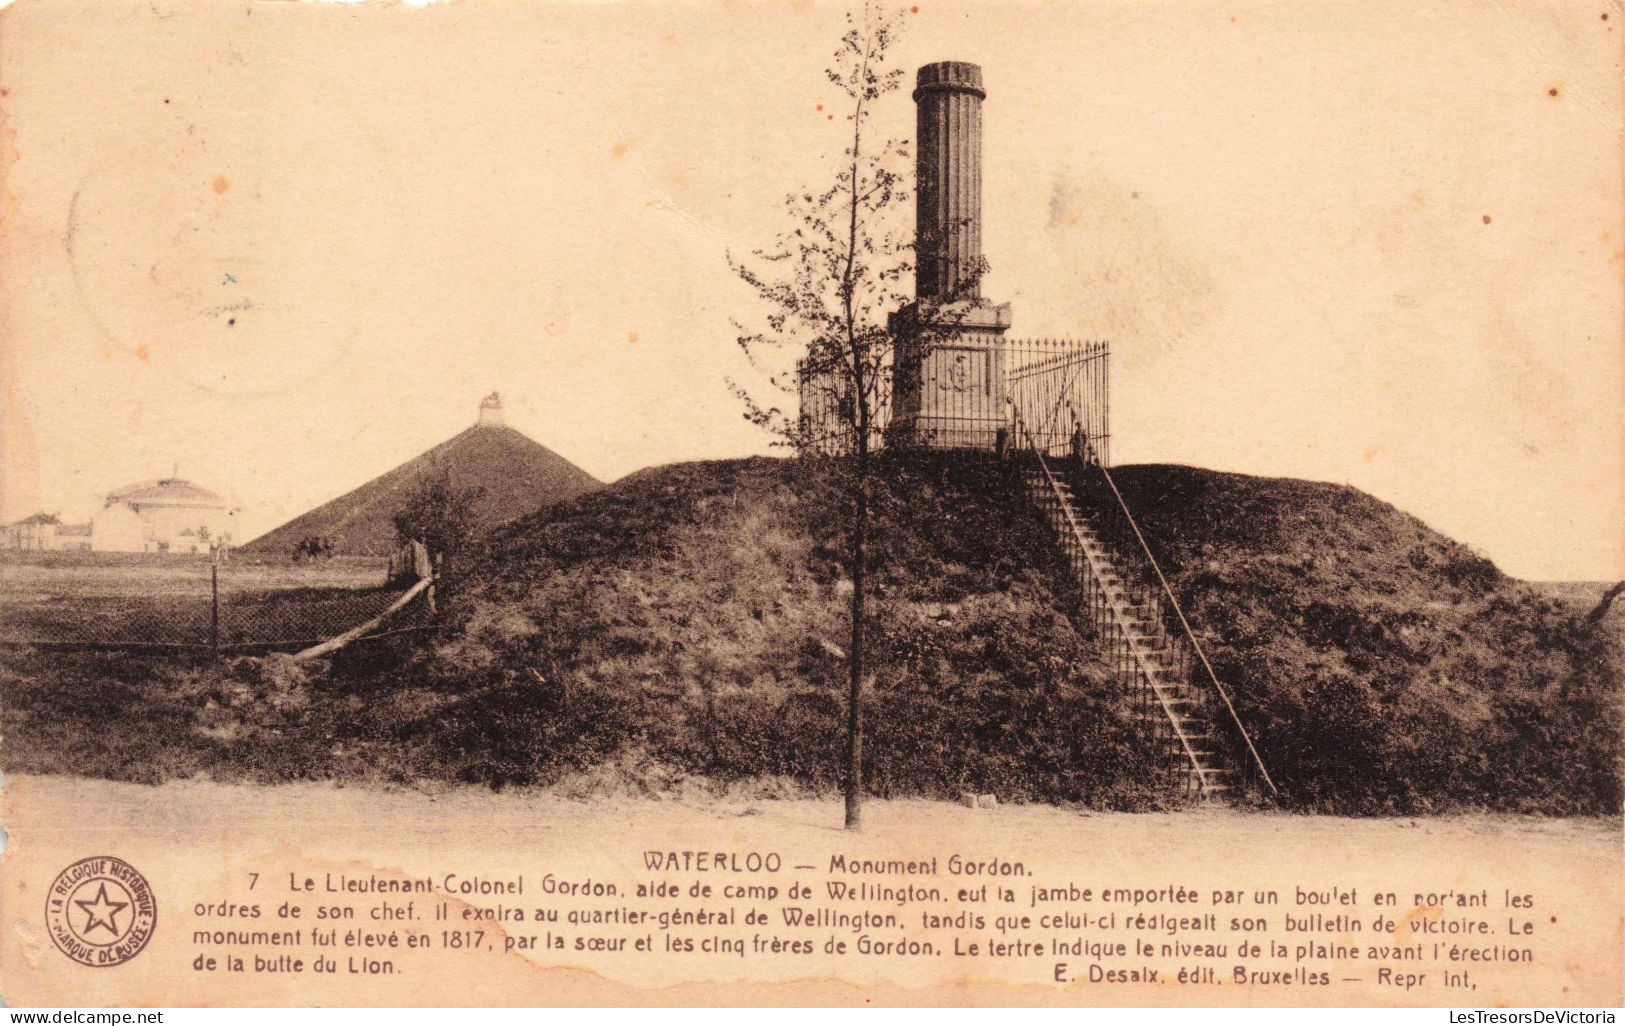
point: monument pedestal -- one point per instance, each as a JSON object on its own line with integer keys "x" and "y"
{"x": 948, "y": 384}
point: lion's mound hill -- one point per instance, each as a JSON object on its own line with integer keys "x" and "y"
{"x": 515, "y": 475}
{"x": 690, "y": 620}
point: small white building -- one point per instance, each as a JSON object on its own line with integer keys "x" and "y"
{"x": 44, "y": 532}
{"x": 168, "y": 515}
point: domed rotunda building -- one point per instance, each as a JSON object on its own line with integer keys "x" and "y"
{"x": 167, "y": 515}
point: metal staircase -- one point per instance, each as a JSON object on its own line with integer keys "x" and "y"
{"x": 1145, "y": 654}
{"x": 1144, "y": 634}
{"x": 1045, "y": 405}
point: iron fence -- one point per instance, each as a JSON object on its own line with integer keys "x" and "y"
{"x": 963, "y": 393}
{"x": 1061, "y": 390}
{"x": 1180, "y": 651}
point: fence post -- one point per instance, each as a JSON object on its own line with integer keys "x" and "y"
{"x": 214, "y": 609}
{"x": 434, "y": 575}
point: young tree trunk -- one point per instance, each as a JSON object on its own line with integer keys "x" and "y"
{"x": 854, "y": 701}
{"x": 860, "y": 518}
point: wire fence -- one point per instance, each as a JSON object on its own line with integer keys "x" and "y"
{"x": 162, "y": 603}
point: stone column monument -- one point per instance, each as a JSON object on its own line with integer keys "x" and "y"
{"x": 948, "y": 377}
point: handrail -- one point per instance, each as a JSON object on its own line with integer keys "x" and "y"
{"x": 1179, "y": 732}
{"x": 1196, "y": 646}
{"x": 1086, "y": 457}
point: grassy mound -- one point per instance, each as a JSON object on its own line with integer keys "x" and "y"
{"x": 686, "y": 627}
{"x": 696, "y": 615}
{"x": 1380, "y": 665}
{"x": 692, "y": 612}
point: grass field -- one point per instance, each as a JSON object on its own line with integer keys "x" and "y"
{"x": 163, "y": 599}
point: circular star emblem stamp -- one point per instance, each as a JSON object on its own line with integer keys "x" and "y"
{"x": 100, "y": 911}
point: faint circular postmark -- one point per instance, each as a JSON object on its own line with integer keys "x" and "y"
{"x": 100, "y": 911}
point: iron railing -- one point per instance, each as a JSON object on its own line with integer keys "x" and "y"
{"x": 961, "y": 394}
{"x": 1061, "y": 390}
{"x": 828, "y": 420}
{"x": 1050, "y": 398}
{"x": 1143, "y": 593}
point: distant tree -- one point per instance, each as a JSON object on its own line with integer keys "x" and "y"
{"x": 829, "y": 281}
{"x": 439, "y": 514}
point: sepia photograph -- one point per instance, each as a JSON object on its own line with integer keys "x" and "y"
{"x": 814, "y": 504}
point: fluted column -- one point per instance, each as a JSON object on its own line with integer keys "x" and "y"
{"x": 948, "y": 176}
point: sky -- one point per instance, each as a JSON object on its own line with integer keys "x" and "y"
{"x": 286, "y": 247}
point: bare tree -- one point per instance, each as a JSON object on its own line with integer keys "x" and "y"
{"x": 829, "y": 281}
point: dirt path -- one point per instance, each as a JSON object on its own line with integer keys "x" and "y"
{"x": 175, "y": 811}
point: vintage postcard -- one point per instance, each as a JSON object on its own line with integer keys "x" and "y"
{"x": 532, "y": 502}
